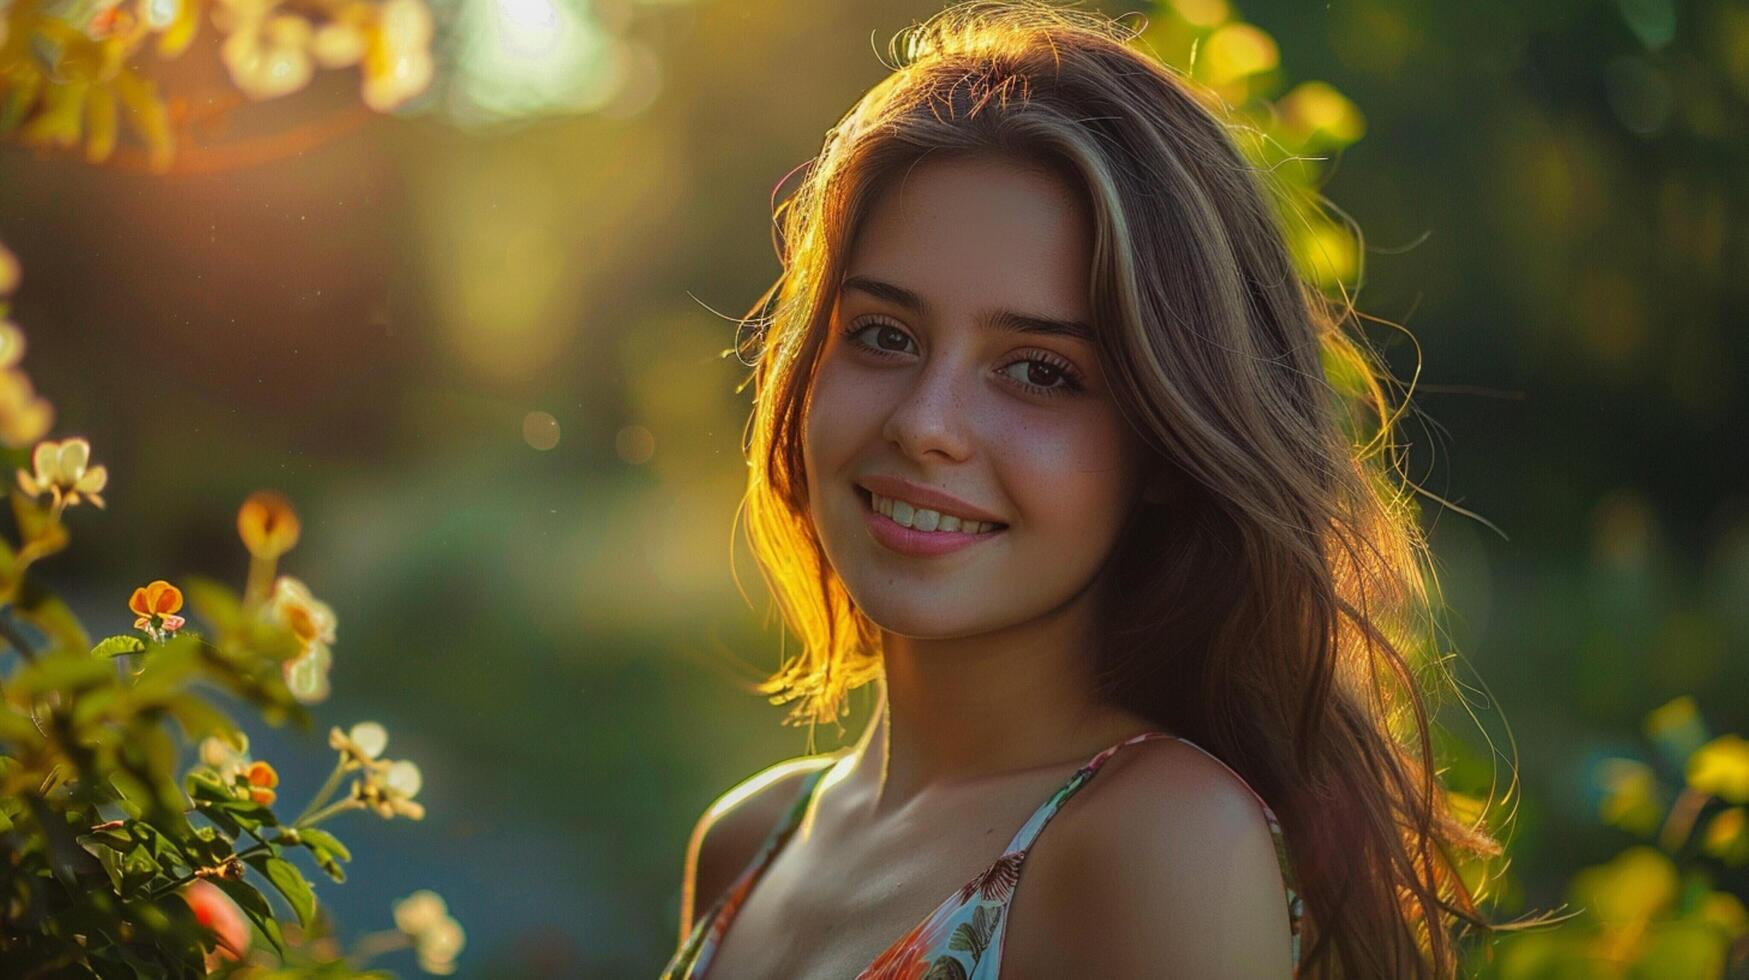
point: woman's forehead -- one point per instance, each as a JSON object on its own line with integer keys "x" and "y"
{"x": 979, "y": 232}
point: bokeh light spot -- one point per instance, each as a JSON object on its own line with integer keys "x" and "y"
{"x": 540, "y": 430}
{"x": 635, "y": 444}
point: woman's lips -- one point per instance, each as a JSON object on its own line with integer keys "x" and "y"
{"x": 912, "y": 542}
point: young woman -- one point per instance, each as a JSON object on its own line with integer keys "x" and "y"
{"x": 1044, "y": 447}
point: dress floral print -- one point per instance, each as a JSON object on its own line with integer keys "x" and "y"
{"x": 963, "y": 938}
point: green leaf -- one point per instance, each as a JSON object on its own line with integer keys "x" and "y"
{"x": 313, "y": 837}
{"x": 252, "y": 815}
{"x": 36, "y": 524}
{"x": 112, "y": 866}
{"x": 16, "y": 727}
{"x": 198, "y": 718}
{"x": 290, "y": 882}
{"x": 204, "y": 787}
{"x": 65, "y": 670}
{"x": 20, "y": 97}
{"x": 119, "y": 645}
{"x": 223, "y": 820}
{"x": 50, "y": 615}
{"x": 167, "y": 671}
{"x": 92, "y": 706}
{"x": 214, "y": 602}
{"x": 256, "y": 908}
{"x": 327, "y": 850}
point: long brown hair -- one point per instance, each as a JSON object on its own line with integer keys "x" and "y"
{"x": 1276, "y": 608}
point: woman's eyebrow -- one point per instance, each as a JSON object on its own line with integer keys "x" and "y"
{"x": 998, "y": 319}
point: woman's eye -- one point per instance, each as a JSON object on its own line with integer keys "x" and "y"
{"x": 885, "y": 337}
{"x": 1039, "y": 374}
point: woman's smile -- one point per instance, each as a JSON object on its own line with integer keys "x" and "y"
{"x": 920, "y": 533}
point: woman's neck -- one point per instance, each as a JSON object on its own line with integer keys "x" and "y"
{"x": 952, "y": 711}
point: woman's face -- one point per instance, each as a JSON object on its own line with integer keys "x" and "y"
{"x": 943, "y": 370}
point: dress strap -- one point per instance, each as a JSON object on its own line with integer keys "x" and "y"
{"x": 1028, "y": 833}
{"x": 695, "y": 954}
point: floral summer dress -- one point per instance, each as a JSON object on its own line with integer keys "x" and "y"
{"x": 963, "y": 937}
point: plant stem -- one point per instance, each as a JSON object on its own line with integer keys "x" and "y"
{"x": 322, "y": 794}
{"x": 320, "y": 815}
{"x": 163, "y": 890}
{"x": 260, "y": 581}
{"x": 1680, "y": 822}
{"x": 372, "y": 945}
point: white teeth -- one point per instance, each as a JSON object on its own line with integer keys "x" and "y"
{"x": 924, "y": 519}
{"x": 902, "y": 513}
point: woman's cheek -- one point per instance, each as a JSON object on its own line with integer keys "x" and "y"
{"x": 1069, "y": 477}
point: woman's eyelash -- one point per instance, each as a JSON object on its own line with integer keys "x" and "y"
{"x": 1066, "y": 371}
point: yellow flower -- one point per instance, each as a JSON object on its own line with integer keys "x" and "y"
{"x": 313, "y": 623}
{"x": 1721, "y": 767}
{"x": 1727, "y": 836}
{"x": 9, "y": 270}
{"x": 268, "y": 525}
{"x": 11, "y": 344}
{"x": 437, "y": 937}
{"x": 306, "y": 675}
{"x": 24, "y": 418}
{"x": 307, "y": 617}
{"x": 397, "y": 63}
{"x": 389, "y": 790}
{"x": 342, "y": 42}
{"x": 61, "y": 471}
{"x": 158, "y": 601}
{"x": 228, "y": 755}
{"x": 359, "y": 747}
{"x": 262, "y": 779}
{"x": 268, "y": 54}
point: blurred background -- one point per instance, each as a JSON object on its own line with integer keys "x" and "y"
{"x": 478, "y": 338}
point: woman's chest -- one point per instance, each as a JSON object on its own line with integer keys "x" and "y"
{"x": 826, "y": 910}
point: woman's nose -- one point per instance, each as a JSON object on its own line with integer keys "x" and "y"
{"x": 931, "y": 415}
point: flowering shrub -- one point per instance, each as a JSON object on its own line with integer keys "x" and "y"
{"x": 1655, "y": 909}
{"x": 69, "y": 71}
{"x": 117, "y": 861}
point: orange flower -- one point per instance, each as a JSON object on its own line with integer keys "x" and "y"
{"x": 268, "y": 525}
{"x": 907, "y": 958}
{"x": 159, "y": 599}
{"x": 215, "y": 910}
{"x": 262, "y": 779}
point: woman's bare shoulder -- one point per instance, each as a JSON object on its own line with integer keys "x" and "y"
{"x": 729, "y": 833}
{"x": 1164, "y": 864}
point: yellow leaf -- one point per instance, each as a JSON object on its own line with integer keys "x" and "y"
{"x": 1630, "y": 799}
{"x": 1677, "y": 726}
{"x": 99, "y": 124}
{"x": 1236, "y": 51}
{"x": 1315, "y": 108}
{"x": 1202, "y": 13}
{"x": 1326, "y": 251}
{"x": 177, "y": 37}
{"x": 1727, "y": 836}
{"x": 1635, "y": 886}
{"x": 1725, "y": 911}
{"x": 1721, "y": 767}
{"x": 58, "y": 117}
{"x": 146, "y": 114}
